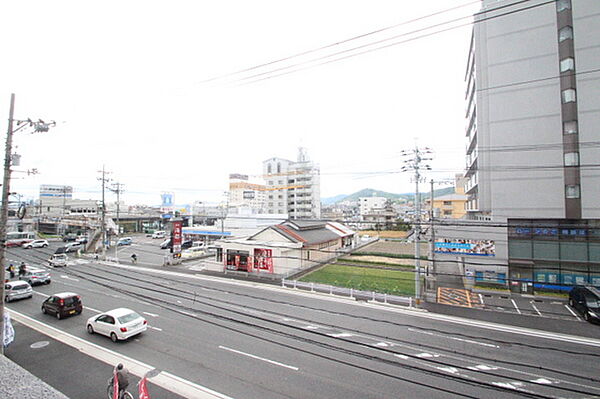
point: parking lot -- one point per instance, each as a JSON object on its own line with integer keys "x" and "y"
{"x": 548, "y": 307}
{"x": 529, "y": 305}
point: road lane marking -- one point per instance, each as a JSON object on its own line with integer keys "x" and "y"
{"x": 41, "y": 294}
{"x": 573, "y": 313}
{"x": 150, "y": 314}
{"x": 469, "y": 341}
{"x": 258, "y": 358}
{"x": 155, "y": 328}
{"x": 515, "y": 305}
{"x": 68, "y": 278}
{"x": 532, "y": 332}
{"x": 535, "y": 308}
{"x": 168, "y": 381}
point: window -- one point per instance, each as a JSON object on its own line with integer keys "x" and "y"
{"x": 572, "y": 159}
{"x": 447, "y": 202}
{"x": 570, "y": 127}
{"x": 562, "y": 5}
{"x": 569, "y": 96}
{"x": 447, "y": 212}
{"x": 565, "y": 33}
{"x": 568, "y": 64}
{"x": 269, "y": 169}
{"x": 278, "y": 167}
{"x": 572, "y": 191}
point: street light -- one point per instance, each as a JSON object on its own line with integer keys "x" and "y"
{"x": 38, "y": 127}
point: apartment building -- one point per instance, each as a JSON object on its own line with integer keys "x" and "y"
{"x": 246, "y": 194}
{"x": 533, "y": 113}
{"x": 293, "y": 188}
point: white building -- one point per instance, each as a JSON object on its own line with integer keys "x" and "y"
{"x": 367, "y": 205}
{"x": 246, "y": 194}
{"x": 293, "y": 188}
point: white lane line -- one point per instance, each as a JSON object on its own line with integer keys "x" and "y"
{"x": 41, "y": 294}
{"x": 92, "y": 309}
{"x": 155, "y": 328}
{"x": 150, "y": 314}
{"x": 168, "y": 381}
{"x": 481, "y": 299}
{"x": 68, "y": 278}
{"x": 532, "y": 332}
{"x": 258, "y": 358}
{"x": 535, "y": 308}
{"x": 573, "y": 313}
{"x": 515, "y": 305}
{"x": 469, "y": 341}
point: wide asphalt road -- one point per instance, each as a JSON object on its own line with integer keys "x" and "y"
{"x": 245, "y": 340}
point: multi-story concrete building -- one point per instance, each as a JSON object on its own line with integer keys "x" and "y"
{"x": 533, "y": 113}
{"x": 293, "y": 187}
{"x": 369, "y": 204}
{"x": 246, "y": 194}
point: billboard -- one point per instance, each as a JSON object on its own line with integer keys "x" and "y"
{"x": 465, "y": 247}
{"x": 177, "y": 236}
{"x": 166, "y": 203}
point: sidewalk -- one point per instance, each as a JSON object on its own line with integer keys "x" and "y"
{"x": 65, "y": 368}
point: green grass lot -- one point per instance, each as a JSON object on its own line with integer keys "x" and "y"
{"x": 393, "y": 282}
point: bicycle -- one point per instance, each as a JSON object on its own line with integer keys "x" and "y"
{"x": 122, "y": 394}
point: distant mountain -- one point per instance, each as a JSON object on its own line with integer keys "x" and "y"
{"x": 369, "y": 192}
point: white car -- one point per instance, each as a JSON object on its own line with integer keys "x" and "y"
{"x": 159, "y": 234}
{"x": 14, "y": 290}
{"x": 118, "y": 324}
{"x": 35, "y": 244}
{"x": 58, "y": 260}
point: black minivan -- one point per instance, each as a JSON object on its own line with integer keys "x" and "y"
{"x": 62, "y": 304}
{"x": 586, "y": 300}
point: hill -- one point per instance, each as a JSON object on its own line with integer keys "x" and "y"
{"x": 369, "y": 192}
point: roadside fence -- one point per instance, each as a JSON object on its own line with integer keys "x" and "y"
{"x": 352, "y": 293}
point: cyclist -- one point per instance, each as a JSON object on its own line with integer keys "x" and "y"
{"x": 133, "y": 258}
{"x": 123, "y": 378}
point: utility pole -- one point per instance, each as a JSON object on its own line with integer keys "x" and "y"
{"x": 39, "y": 126}
{"x": 432, "y": 234}
{"x": 118, "y": 189}
{"x": 104, "y": 180}
{"x": 414, "y": 164}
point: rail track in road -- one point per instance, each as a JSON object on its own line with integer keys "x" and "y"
{"x": 351, "y": 347}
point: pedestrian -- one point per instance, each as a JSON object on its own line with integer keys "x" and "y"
{"x": 22, "y": 269}
{"x": 11, "y": 270}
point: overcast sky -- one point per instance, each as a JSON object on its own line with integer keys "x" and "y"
{"x": 126, "y": 82}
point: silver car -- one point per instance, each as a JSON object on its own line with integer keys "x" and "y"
{"x": 36, "y": 276}
{"x": 14, "y": 290}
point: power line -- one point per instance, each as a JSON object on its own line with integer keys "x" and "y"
{"x": 337, "y": 43}
{"x": 387, "y": 45}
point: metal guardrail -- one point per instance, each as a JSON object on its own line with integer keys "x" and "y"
{"x": 348, "y": 292}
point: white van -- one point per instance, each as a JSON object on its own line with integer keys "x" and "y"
{"x": 159, "y": 234}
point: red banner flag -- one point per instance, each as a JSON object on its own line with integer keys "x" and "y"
{"x": 143, "y": 389}
{"x": 115, "y": 385}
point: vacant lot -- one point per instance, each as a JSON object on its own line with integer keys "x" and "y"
{"x": 394, "y": 247}
{"x": 369, "y": 279}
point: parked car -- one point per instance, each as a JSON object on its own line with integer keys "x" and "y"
{"x": 159, "y": 234}
{"x": 125, "y": 241}
{"x": 118, "y": 324}
{"x": 36, "y": 276}
{"x": 73, "y": 246}
{"x": 62, "y": 304}
{"x": 586, "y": 300}
{"x": 69, "y": 237}
{"x": 35, "y": 244}
{"x": 58, "y": 260}
{"x": 14, "y": 290}
{"x": 82, "y": 239}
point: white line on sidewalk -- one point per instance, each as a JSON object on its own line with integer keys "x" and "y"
{"x": 515, "y": 305}
{"x": 258, "y": 358}
{"x": 168, "y": 381}
{"x": 573, "y": 313}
